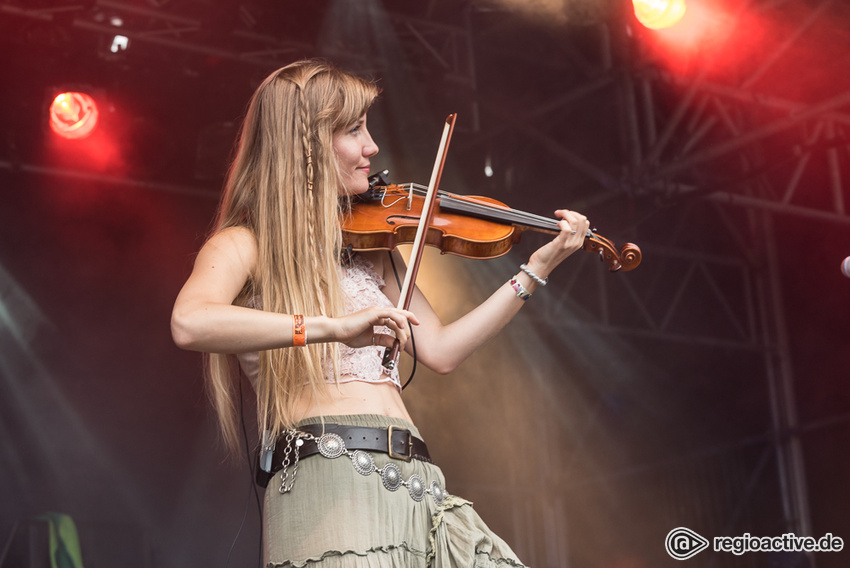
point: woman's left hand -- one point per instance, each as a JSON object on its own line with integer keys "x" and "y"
{"x": 574, "y": 227}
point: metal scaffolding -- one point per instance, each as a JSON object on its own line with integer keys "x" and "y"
{"x": 669, "y": 154}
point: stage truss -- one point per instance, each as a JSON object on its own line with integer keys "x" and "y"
{"x": 675, "y": 131}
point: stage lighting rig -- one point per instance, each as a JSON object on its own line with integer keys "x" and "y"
{"x": 119, "y": 42}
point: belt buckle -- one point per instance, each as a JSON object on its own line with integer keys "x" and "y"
{"x": 390, "y": 430}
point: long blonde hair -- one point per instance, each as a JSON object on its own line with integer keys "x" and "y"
{"x": 283, "y": 186}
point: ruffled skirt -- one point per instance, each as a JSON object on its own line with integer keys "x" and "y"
{"x": 337, "y": 517}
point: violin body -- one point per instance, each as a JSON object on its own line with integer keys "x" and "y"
{"x": 468, "y": 226}
{"x": 374, "y": 226}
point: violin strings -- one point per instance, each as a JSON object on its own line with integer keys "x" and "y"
{"x": 499, "y": 213}
{"x": 514, "y": 215}
{"x": 520, "y": 217}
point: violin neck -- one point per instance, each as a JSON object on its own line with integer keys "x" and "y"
{"x": 481, "y": 210}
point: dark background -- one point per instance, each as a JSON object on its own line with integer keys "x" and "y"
{"x": 615, "y": 408}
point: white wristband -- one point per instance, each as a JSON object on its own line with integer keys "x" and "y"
{"x": 527, "y": 270}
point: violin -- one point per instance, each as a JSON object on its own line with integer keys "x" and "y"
{"x": 387, "y": 215}
{"x": 464, "y": 226}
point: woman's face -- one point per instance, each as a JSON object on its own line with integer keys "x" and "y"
{"x": 353, "y": 146}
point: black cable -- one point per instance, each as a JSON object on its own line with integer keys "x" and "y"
{"x": 244, "y": 517}
{"x": 409, "y": 325}
{"x": 251, "y": 489}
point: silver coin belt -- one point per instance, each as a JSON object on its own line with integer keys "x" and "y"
{"x": 333, "y": 446}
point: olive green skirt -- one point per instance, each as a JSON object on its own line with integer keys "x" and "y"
{"x": 337, "y": 517}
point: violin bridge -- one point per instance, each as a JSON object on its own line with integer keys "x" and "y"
{"x": 410, "y": 197}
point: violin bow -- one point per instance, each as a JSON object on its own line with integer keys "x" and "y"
{"x": 406, "y": 294}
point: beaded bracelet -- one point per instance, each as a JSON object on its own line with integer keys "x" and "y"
{"x": 299, "y": 331}
{"x": 520, "y": 290}
{"x": 527, "y": 270}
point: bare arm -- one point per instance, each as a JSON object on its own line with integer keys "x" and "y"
{"x": 205, "y": 319}
{"x": 443, "y": 347}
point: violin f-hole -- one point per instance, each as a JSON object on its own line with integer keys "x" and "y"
{"x": 401, "y": 217}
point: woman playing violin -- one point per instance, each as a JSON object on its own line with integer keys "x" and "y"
{"x": 309, "y": 331}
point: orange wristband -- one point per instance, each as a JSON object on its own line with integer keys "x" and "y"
{"x": 299, "y": 331}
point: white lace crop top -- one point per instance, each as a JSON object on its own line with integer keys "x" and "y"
{"x": 362, "y": 289}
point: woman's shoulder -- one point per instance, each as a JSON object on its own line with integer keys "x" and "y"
{"x": 238, "y": 237}
{"x": 235, "y": 243}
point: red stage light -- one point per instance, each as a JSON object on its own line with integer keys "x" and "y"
{"x": 658, "y": 14}
{"x": 73, "y": 115}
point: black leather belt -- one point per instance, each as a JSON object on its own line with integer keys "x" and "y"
{"x": 395, "y": 441}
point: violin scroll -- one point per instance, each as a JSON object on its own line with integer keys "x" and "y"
{"x": 627, "y": 258}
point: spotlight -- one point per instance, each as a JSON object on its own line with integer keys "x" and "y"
{"x": 73, "y": 115}
{"x": 119, "y": 43}
{"x": 659, "y": 14}
{"x": 488, "y": 167}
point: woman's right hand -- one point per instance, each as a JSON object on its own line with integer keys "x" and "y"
{"x": 358, "y": 329}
